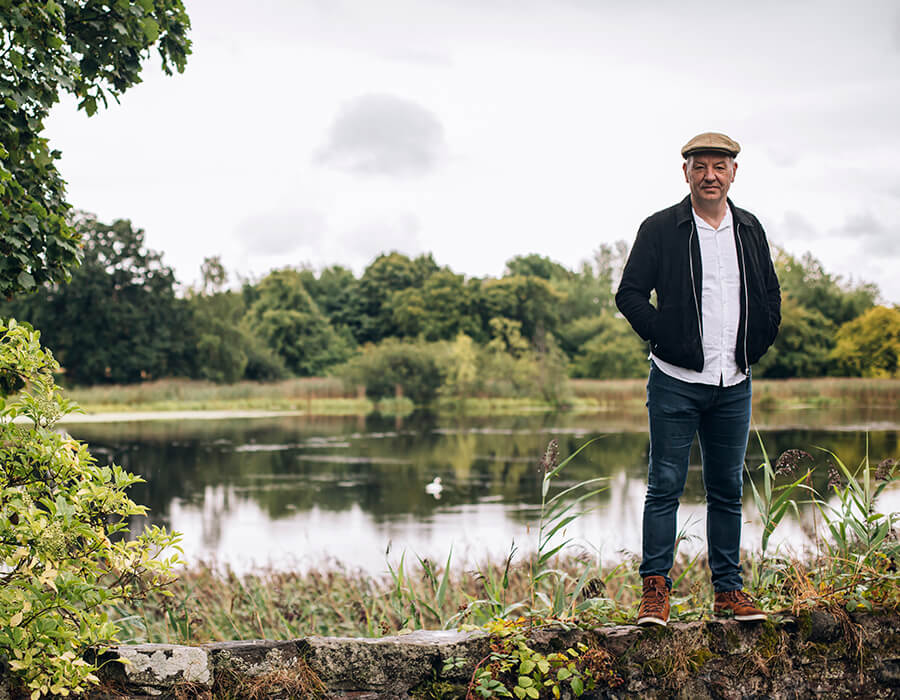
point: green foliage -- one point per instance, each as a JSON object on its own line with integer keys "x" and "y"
{"x": 807, "y": 282}
{"x": 531, "y": 301}
{"x": 89, "y": 51}
{"x": 772, "y": 502}
{"x": 414, "y": 368}
{"x": 804, "y": 341}
{"x": 372, "y": 315}
{"x": 856, "y": 527}
{"x": 118, "y": 320}
{"x": 611, "y": 349}
{"x": 226, "y": 350}
{"x": 515, "y": 670}
{"x": 61, "y": 520}
{"x": 461, "y": 368}
{"x": 442, "y": 307}
{"x": 534, "y": 265}
{"x": 288, "y": 320}
{"x": 857, "y": 568}
{"x": 869, "y": 346}
{"x": 556, "y": 513}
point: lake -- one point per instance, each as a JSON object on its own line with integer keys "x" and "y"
{"x": 295, "y": 492}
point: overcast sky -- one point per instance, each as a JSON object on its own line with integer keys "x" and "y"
{"x": 327, "y": 131}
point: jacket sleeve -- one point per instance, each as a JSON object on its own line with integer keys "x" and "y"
{"x": 638, "y": 279}
{"x": 773, "y": 288}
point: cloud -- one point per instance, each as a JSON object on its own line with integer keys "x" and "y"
{"x": 873, "y": 236}
{"x": 797, "y": 226}
{"x": 281, "y": 232}
{"x": 381, "y": 134}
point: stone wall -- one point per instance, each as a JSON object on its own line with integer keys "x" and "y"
{"x": 815, "y": 656}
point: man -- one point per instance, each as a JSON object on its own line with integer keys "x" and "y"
{"x": 718, "y": 310}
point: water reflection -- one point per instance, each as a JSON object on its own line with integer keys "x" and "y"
{"x": 296, "y": 492}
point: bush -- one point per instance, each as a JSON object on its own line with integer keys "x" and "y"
{"x": 59, "y": 516}
{"x": 414, "y": 367}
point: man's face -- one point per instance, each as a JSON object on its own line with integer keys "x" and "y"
{"x": 709, "y": 176}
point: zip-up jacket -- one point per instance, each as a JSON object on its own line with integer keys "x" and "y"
{"x": 666, "y": 257}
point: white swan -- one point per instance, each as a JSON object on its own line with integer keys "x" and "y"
{"x": 435, "y": 487}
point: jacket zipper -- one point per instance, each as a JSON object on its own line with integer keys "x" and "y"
{"x": 746, "y": 299}
{"x": 694, "y": 285}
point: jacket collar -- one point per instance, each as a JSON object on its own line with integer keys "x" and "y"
{"x": 684, "y": 213}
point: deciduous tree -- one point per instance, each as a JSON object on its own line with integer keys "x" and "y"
{"x": 118, "y": 320}
{"x": 87, "y": 48}
{"x": 869, "y": 346}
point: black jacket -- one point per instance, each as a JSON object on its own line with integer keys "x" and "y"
{"x": 666, "y": 257}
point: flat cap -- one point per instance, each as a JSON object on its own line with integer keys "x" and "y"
{"x": 711, "y": 141}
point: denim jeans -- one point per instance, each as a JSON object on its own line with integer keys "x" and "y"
{"x": 721, "y": 417}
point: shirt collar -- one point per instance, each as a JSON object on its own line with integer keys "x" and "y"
{"x": 727, "y": 221}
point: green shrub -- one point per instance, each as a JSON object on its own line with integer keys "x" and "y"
{"x": 63, "y": 559}
{"x": 414, "y": 367}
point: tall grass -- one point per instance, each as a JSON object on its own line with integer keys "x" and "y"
{"x": 329, "y": 396}
{"x": 186, "y": 394}
{"x": 767, "y": 393}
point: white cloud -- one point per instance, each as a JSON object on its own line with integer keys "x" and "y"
{"x": 384, "y": 135}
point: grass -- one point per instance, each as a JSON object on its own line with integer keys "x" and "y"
{"x": 328, "y": 396}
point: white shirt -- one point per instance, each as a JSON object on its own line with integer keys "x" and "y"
{"x": 721, "y": 304}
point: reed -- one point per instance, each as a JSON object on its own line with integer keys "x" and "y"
{"x": 330, "y": 396}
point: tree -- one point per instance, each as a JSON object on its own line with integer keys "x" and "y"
{"x": 226, "y": 349}
{"x": 869, "y": 346}
{"x": 213, "y": 275}
{"x": 535, "y": 265}
{"x": 288, "y": 320}
{"x": 807, "y": 282}
{"x": 804, "y": 341}
{"x": 333, "y": 290}
{"x": 611, "y": 351}
{"x": 372, "y": 317}
{"x": 438, "y": 310}
{"x": 532, "y": 301}
{"x": 118, "y": 320}
{"x": 90, "y": 50}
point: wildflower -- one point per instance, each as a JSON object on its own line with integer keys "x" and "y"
{"x": 550, "y": 460}
{"x": 835, "y": 480}
{"x": 789, "y": 459}
{"x": 885, "y": 469}
{"x": 594, "y": 588}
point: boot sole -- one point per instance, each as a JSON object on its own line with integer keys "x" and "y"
{"x": 647, "y": 621}
{"x": 758, "y": 617}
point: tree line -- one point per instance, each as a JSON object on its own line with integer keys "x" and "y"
{"x": 122, "y": 319}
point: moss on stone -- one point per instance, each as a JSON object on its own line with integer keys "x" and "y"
{"x": 770, "y": 640}
{"x": 438, "y": 690}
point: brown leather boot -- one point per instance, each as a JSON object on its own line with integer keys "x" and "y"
{"x": 654, "y": 608}
{"x": 739, "y": 605}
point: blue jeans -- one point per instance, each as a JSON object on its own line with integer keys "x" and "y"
{"x": 721, "y": 417}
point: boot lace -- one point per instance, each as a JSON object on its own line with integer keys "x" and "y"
{"x": 654, "y": 598}
{"x": 738, "y": 597}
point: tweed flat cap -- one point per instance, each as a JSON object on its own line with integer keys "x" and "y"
{"x": 711, "y": 141}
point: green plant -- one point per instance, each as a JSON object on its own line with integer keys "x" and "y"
{"x": 411, "y": 368}
{"x": 514, "y": 669}
{"x": 556, "y": 513}
{"x": 62, "y": 520}
{"x": 862, "y": 547}
{"x": 772, "y": 502}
